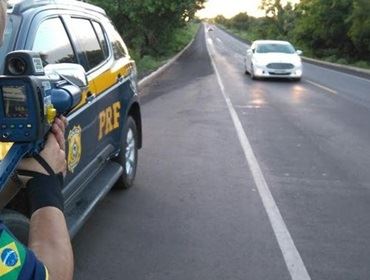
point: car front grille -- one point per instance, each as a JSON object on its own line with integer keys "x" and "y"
{"x": 280, "y": 74}
{"x": 280, "y": 66}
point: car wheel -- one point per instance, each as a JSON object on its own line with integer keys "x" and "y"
{"x": 17, "y": 223}
{"x": 253, "y": 77}
{"x": 128, "y": 155}
{"x": 246, "y": 72}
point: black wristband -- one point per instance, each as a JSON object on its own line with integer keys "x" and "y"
{"x": 43, "y": 191}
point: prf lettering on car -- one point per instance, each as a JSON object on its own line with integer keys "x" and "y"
{"x": 109, "y": 119}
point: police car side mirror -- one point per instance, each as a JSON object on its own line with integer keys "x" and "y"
{"x": 73, "y": 73}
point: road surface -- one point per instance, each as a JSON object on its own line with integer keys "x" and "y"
{"x": 240, "y": 179}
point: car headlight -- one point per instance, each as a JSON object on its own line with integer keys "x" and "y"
{"x": 297, "y": 62}
{"x": 298, "y": 72}
{"x": 258, "y": 63}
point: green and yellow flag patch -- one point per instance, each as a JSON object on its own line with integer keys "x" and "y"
{"x": 12, "y": 256}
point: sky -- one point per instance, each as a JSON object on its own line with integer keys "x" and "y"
{"x": 230, "y": 8}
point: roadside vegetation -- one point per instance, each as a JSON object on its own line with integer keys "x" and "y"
{"x": 336, "y": 31}
{"x": 180, "y": 38}
{"x": 154, "y": 30}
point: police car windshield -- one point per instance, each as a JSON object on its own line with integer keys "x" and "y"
{"x": 9, "y": 35}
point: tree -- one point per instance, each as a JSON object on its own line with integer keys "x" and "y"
{"x": 220, "y": 19}
{"x": 272, "y": 8}
{"x": 280, "y": 19}
{"x": 240, "y": 21}
{"x": 323, "y": 25}
{"x": 149, "y": 24}
{"x": 360, "y": 28}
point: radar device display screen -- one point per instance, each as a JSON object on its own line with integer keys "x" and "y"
{"x": 15, "y": 101}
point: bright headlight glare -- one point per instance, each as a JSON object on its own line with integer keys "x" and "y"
{"x": 298, "y": 72}
{"x": 259, "y": 72}
{"x": 298, "y": 62}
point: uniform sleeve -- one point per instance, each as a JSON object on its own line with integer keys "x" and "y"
{"x": 17, "y": 262}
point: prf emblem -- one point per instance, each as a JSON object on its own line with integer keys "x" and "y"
{"x": 109, "y": 119}
{"x": 74, "y": 148}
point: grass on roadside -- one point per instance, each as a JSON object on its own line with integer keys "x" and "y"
{"x": 149, "y": 63}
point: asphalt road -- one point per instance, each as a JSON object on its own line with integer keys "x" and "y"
{"x": 240, "y": 179}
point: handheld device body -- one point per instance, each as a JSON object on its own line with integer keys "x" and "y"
{"x": 21, "y": 110}
{"x": 29, "y": 102}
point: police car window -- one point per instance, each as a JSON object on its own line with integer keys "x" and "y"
{"x": 103, "y": 43}
{"x": 119, "y": 47}
{"x": 8, "y": 39}
{"x": 52, "y": 42}
{"x": 86, "y": 37}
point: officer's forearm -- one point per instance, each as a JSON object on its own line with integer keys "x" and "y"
{"x": 50, "y": 241}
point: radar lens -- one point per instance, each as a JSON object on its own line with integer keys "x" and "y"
{"x": 17, "y": 66}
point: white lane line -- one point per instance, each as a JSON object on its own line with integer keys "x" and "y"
{"x": 322, "y": 87}
{"x": 289, "y": 251}
{"x": 219, "y": 40}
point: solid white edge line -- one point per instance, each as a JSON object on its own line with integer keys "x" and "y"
{"x": 289, "y": 251}
{"x": 321, "y": 86}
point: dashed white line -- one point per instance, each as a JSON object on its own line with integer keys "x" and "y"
{"x": 289, "y": 251}
{"x": 322, "y": 87}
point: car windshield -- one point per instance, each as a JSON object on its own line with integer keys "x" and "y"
{"x": 9, "y": 35}
{"x": 275, "y": 48}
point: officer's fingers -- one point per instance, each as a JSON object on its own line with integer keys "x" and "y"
{"x": 51, "y": 148}
{"x": 61, "y": 165}
{"x": 61, "y": 123}
{"x": 51, "y": 142}
{"x": 64, "y": 120}
{"x": 53, "y": 154}
{"x": 59, "y": 136}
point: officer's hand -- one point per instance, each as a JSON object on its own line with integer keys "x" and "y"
{"x": 53, "y": 152}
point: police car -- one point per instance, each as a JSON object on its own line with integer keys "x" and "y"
{"x": 104, "y": 131}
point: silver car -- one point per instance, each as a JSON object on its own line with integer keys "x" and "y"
{"x": 273, "y": 59}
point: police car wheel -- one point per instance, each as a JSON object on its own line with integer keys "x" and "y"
{"x": 17, "y": 223}
{"x": 128, "y": 155}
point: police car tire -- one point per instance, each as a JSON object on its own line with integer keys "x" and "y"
{"x": 17, "y": 223}
{"x": 126, "y": 181}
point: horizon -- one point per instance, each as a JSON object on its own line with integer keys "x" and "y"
{"x": 214, "y": 8}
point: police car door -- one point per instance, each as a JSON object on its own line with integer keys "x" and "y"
{"x": 109, "y": 70}
{"x": 56, "y": 45}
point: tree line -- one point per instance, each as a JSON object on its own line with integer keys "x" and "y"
{"x": 148, "y": 26}
{"x": 337, "y": 30}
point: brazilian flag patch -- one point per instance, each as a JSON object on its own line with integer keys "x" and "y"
{"x": 12, "y": 256}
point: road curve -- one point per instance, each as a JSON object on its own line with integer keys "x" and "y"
{"x": 197, "y": 210}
